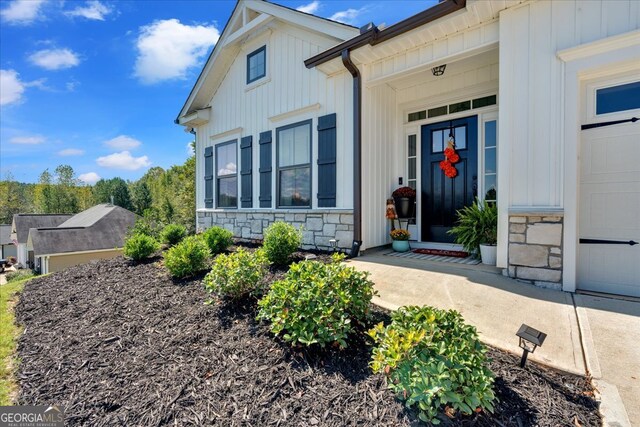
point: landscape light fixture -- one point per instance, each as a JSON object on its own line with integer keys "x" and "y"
{"x": 334, "y": 244}
{"x": 530, "y": 339}
{"x": 439, "y": 70}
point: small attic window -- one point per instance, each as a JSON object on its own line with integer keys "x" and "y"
{"x": 257, "y": 64}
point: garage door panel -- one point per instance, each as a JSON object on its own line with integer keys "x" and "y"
{"x": 613, "y": 154}
{"x": 609, "y": 269}
{"x": 609, "y": 209}
{"x": 608, "y": 213}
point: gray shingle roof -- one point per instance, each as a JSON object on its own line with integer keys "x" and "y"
{"x": 100, "y": 227}
{"x": 5, "y": 234}
{"x": 23, "y": 222}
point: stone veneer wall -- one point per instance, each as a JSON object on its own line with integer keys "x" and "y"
{"x": 535, "y": 248}
{"x": 319, "y": 226}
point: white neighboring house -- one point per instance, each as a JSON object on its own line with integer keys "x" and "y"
{"x": 20, "y": 227}
{"x": 316, "y": 123}
{"x": 7, "y": 248}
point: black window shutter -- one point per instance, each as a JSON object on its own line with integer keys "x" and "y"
{"x": 208, "y": 177}
{"x": 266, "y": 168}
{"x": 327, "y": 161}
{"x": 246, "y": 193}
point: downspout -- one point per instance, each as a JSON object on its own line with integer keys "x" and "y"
{"x": 357, "y": 150}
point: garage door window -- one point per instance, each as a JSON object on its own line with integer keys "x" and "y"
{"x": 618, "y": 98}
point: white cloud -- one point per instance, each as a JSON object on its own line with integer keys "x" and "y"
{"x": 28, "y": 140}
{"x": 11, "y": 88}
{"x": 93, "y": 10}
{"x": 123, "y": 142}
{"x": 309, "y": 8}
{"x": 22, "y": 11}
{"x": 229, "y": 168}
{"x": 70, "y": 152}
{"x": 348, "y": 16}
{"x": 123, "y": 160}
{"x": 55, "y": 59}
{"x": 168, "y": 49}
{"x": 89, "y": 178}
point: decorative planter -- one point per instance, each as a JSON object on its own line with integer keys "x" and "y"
{"x": 400, "y": 245}
{"x": 405, "y": 206}
{"x": 488, "y": 254}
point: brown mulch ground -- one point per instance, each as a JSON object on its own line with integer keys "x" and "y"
{"x": 123, "y": 344}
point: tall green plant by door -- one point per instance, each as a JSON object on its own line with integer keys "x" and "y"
{"x": 477, "y": 224}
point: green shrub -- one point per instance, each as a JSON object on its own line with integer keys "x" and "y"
{"x": 14, "y": 276}
{"x": 172, "y": 234}
{"x": 280, "y": 241}
{"x": 218, "y": 239}
{"x": 237, "y": 275}
{"x": 140, "y": 246}
{"x": 317, "y": 303}
{"x": 187, "y": 257}
{"x": 433, "y": 359}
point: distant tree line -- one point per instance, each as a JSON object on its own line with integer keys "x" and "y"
{"x": 162, "y": 196}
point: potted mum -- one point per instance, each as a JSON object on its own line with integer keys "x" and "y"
{"x": 404, "y": 198}
{"x": 400, "y": 240}
{"x": 477, "y": 229}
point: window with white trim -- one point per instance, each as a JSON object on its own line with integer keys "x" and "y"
{"x": 227, "y": 175}
{"x": 490, "y": 173}
{"x": 293, "y": 158}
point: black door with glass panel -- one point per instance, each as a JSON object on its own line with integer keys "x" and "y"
{"x": 443, "y": 196}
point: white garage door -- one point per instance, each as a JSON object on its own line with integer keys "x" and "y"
{"x": 609, "y": 207}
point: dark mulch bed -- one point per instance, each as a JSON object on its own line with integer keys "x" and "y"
{"x": 119, "y": 344}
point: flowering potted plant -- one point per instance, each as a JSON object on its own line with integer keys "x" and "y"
{"x": 400, "y": 240}
{"x": 404, "y": 198}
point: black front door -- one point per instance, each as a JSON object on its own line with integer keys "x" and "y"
{"x": 443, "y": 196}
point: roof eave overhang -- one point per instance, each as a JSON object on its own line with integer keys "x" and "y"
{"x": 374, "y": 36}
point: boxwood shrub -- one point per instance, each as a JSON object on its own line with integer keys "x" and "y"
{"x": 187, "y": 257}
{"x": 237, "y": 275}
{"x": 433, "y": 359}
{"x": 218, "y": 239}
{"x": 172, "y": 234}
{"x": 140, "y": 246}
{"x": 280, "y": 241}
{"x": 317, "y": 303}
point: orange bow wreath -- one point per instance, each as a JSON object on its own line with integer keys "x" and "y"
{"x": 450, "y": 158}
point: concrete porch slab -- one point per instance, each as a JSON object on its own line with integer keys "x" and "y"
{"x": 494, "y": 304}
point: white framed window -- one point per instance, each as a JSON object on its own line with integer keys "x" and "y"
{"x": 490, "y": 160}
{"x": 226, "y": 159}
{"x": 293, "y": 160}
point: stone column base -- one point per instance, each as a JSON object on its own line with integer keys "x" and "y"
{"x": 535, "y": 247}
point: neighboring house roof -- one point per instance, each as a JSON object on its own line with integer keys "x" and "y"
{"x": 5, "y": 234}
{"x": 100, "y": 227}
{"x": 238, "y": 29}
{"x": 23, "y": 222}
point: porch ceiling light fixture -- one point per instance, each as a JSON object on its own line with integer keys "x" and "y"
{"x": 439, "y": 70}
{"x": 530, "y": 339}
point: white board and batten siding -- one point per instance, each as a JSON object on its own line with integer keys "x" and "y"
{"x": 538, "y": 104}
{"x": 289, "y": 93}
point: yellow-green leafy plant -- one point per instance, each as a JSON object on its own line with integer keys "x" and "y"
{"x": 218, "y": 239}
{"x": 280, "y": 241}
{"x": 188, "y": 257}
{"x": 317, "y": 303}
{"x": 237, "y": 275}
{"x": 172, "y": 234}
{"x": 433, "y": 360}
{"x": 140, "y": 246}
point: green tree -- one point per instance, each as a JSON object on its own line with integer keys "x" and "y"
{"x": 15, "y": 197}
{"x": 141, "y": 196}
{"x": 117, "y": 188}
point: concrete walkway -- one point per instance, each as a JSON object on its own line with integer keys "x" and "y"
{"x": 608, "y": 330}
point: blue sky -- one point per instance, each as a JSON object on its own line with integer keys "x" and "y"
{"x": 97, "y": 84}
